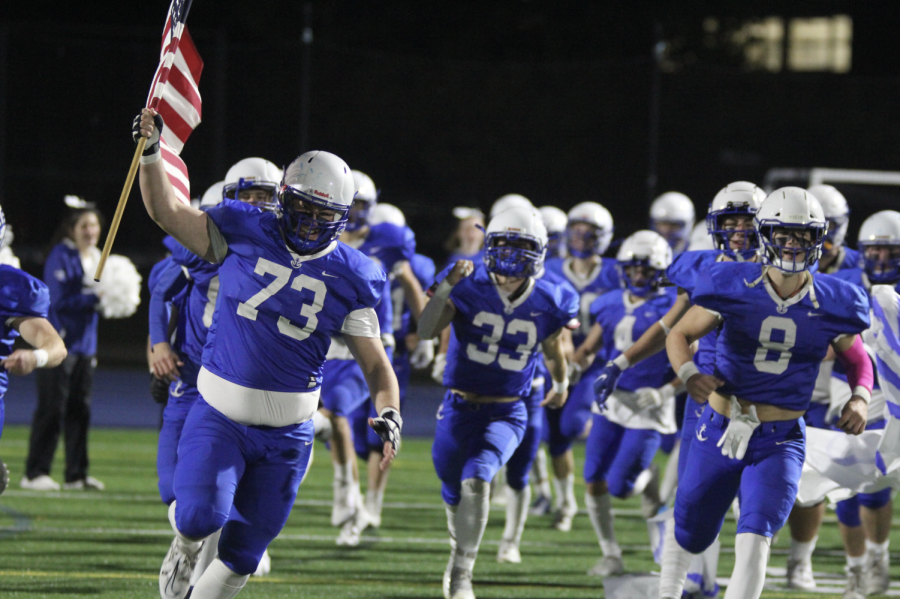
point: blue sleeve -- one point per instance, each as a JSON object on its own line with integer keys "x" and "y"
{"x": 409, "y": 244}
{"x": 187, "y": 258}
{"x": 171, "y": 282}
{"x": 232, "y": 218}
{"x": 22, "y": 295}
{"x": 707, "y": 294}
{"x": 423, "y": 269}
{"x": 66, "y": 294}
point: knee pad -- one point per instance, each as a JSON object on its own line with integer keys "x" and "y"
{"x": 876, "y": 500}
{"x": 198, "y": 520}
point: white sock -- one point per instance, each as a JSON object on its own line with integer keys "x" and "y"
{"x": 706, "y": 565}
{"x": 856, "y": 561}
{"x": 540, "y": 474}
{"x": 670, "y": 477}
{"x": 558, "y": 493}
{"x": 343, "y": 473}
{"x": 565, "y": 493}
{"x": 187, "y": 545}
{"x": 878, "y": 550}
{"x": 675, "y": 563}
{"x": 600, "y": 512}
{"x": 640, "y": 483}
{"x": 208, "y": 553}
{"x": 451, "y": 525}
{"x": 516, "y": 513}
{"x": 751, "y": 553}
{"x": 471, "y": 520}
{"x": 219, "y": 582}
{"x": 374, "y": 502}
{"x": 802, "y": 552}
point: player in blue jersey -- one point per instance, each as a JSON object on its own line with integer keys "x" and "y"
{"x": 672, "y": 216}
{"x": 729, "y": 224}
{"x": 588, "y": 235}
{"x": 865, "y": 519}
{"x": 776, "y": 323}
{"x": 625, "y": 436}
{"x": 24, "y": 305}
{"x": 391, "y": 247}
{"x": 286, "y": 286}
{"x": 835, "y": 255}
{"x": 499, "y": 314}
{"x": 556, "y": 221}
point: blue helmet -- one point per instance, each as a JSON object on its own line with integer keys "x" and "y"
{"x": 515, "y": 243}
{"x": 315, "y": 181}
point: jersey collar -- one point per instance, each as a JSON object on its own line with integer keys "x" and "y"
{"x": 782, "y": 305}
{"x": 577, "y": 280}
{"x": 509, "y": 307}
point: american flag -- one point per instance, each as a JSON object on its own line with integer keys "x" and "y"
{"x": 176, "y": 96}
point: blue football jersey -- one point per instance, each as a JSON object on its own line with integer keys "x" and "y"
{"x": 477, "y": 258}
{"x": 623, "y": 323}
{"x": 423, "y": 269}
{"x": 769, "y": 350}
{"x": 604, "y": 279}
{"x": 683, "y": 273}
{"x": 493, "y": 343}
{"x": 276, "y": 311}
{"x": 20, "y": 295}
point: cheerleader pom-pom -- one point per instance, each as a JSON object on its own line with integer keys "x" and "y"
{"x": 119, "y": 288}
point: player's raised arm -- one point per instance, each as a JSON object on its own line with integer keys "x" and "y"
{"x": 439, "y": 310}
{"x": 849, "y": 351}
{"x": 695, "y": 324}
{"x": 49, "y": 350}
{"x": 186, "y": 224}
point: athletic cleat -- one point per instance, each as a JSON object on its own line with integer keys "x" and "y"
{"x": 461, "y": 584}
{"x": 608, "y": 566}
{"x": 265, "y": 565}
{"x": 854, "y": 588}
{"x": 541, "y": 506}
{"x": 562, "y": 520}
{"x": 39, "y": 483}
{"x": 175, "y": 573}
{"x": 445, "y": 583}
{"x": 800, "y": 575}
{"x": 876, "y": 578}
{"x": 352, "y": 530}
{"x": 4, "y": 477}
{"x": 650, "y": 501}
{"x": 86, "y": 484}
{"x": 509, "y": 553}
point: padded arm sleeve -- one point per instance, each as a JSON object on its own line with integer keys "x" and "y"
{"x": 430, "y": 318}
{"x": 858, "y": 366}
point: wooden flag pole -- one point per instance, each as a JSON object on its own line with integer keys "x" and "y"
{"x": 120, "y": 209}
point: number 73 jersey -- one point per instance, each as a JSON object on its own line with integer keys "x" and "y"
{"x": 276, "y": 311}
{"x": 494, "y": 341}
{"x": 769, "y": 349}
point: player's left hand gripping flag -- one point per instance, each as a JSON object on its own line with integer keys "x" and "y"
{"x": 175, "y": 94}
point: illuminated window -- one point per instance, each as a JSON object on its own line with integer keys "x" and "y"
{"x": 820, "y": 44}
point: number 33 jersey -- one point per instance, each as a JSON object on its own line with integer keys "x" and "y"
{"x": 494, "y": 341}
{"x": 276, "y": 311}
{"x": 769, "y": 349}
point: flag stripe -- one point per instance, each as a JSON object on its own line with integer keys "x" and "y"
{"x": 181, "y": 93}
{"x": 192, "y": 58}
{"x": 174, "y": 121}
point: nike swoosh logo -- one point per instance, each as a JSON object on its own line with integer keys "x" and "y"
{"x": 782, "y": 442}
{"x": 310, "y": 443}
{"x": 811, "y": 314}
{"x": 325, "y": 274}
{"x": 536, "y": 313}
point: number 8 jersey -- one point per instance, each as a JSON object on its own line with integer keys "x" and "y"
{"x": 769, "y": 349}
{"x": 276, "y": 311}
{"x": 494, "y": 341}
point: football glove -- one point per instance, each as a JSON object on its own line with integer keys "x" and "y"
{"x": 159, "y": 390}
{"x": 437, "y": 370}
{"x": 422, "y": 356}
{"x": 388, "y": 426}
{"x": 152, "y": 146}
{"x": 606, "y": 383}
{"x": 737, "y": 436}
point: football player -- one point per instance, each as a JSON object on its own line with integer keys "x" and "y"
{"x": 24, "y": 303}
{"x": 500, "y": 313}
{"x": 672, "y": 216}
{"x": 556, "y": 221}
{"x": 625, "y": 436}
{"x": 835, "y": 255}
{"x": 777, "y": 322}
{"x": 286, "y": 286}
{"x": 588, "y": 235}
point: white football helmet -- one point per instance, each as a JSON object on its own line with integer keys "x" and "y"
{"x": 510, "y": 200}
{"x": 674, "y": 211}
{"x": 837, "y": 213}
{"x": 249, "y": 173}
{"x": 555, "y": 220}
{"x": 2, "y": 226}
{"x": 700, "y": 238}
{"x": 597, "y": 241}
{"x": 648, "y": 249}
{"x": 365, "y": 198}
{"x": 213, "y": 195}
{"x": 791, "y": 214}
{"x": 386, "y": 213}
{"x": 321, "y": 180}
{"x": 738, "y": 199}
{"x": 515, "y": 243}
{"x": 879, "y": 247}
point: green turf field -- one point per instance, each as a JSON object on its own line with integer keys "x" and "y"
{"x": 111, "y": 544}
